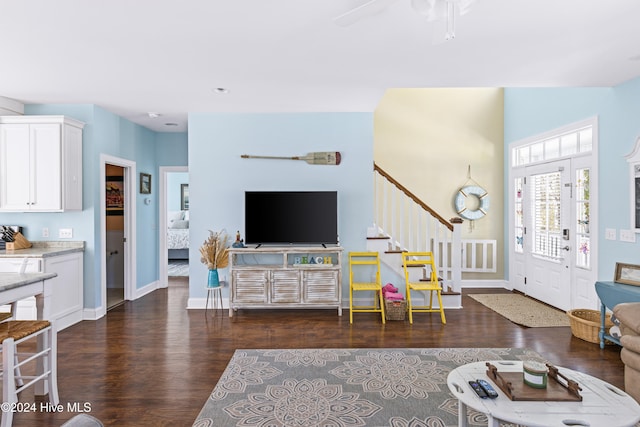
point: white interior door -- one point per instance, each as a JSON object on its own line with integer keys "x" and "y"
{"x": 547, "y": 237}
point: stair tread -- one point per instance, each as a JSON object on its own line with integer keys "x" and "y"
{"x": 379, "y": 238}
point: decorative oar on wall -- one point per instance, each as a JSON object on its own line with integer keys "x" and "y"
{"x": 317, "y": 158}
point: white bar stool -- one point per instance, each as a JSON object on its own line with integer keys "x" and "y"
{"x": 13, "y": 333}
{"x": 215, "y": 293}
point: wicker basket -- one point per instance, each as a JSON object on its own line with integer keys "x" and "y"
{"x": 585, "y": 324}
{"x": 395, "y": 310}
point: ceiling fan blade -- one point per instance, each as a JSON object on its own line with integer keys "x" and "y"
{"x": 464, "y": 6}
{"x": 369, "y": 8}
{"x": 434, "y": 10}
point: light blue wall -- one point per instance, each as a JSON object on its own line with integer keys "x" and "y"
{"x": 218, "y": 177}
{"x": 107, "y": 133}
{"x": 172, "y": 149}
{"x": 174, "y": 185}
{"x": 529, "y": 112}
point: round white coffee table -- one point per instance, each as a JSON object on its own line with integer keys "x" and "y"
{"x": 602, "y": 404}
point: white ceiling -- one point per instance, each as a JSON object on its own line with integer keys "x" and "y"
{"x": 136, "y": 56}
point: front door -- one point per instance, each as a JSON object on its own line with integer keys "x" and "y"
{"x": 552, "y": 216}
{"x": 548, "y": 235}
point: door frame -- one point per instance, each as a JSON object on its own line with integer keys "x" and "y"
{"x": 163, "y": 256}
{"x": 130, "y": 274}
{"x": 583, "y": 292}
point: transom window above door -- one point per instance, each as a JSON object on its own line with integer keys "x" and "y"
{"x": 579, "y": 141}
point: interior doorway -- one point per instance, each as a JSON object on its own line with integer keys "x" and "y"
{"x": 114, "y": 229}
{"x": 117, "y": 228}
{"x": 174, "y": 223}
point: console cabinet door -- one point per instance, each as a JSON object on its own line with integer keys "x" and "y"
{"x": 250, "y": 286}
{"x": 285, "y": 286}
{"x": 320, "y": 286}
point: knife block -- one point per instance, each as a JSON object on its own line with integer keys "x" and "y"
{"x": 19, "y": 242}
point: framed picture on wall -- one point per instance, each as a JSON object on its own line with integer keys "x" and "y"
{"x": 115, "y": 195}
{"x": 184, "y": 197}
{"x": 628, "y": 274}
{"x": 145, "y": 183}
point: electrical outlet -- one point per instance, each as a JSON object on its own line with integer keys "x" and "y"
{"x": 65, "y": 233}
{"x": 627, "y": 236}
{"x": 45, "y": 231}
{"x": 610, "y": 234}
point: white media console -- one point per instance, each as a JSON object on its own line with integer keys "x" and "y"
{"x": 285, "y": 277}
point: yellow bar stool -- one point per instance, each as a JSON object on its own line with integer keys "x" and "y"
{"x": 411, "y": 261}
{"x": 12, "y": 334}
{"x": 367, "y": 263}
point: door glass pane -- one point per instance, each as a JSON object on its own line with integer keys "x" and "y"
{"x": 547, "y": 235}
{"x": 583, "y": 240}
{"x": 519, "y": 223}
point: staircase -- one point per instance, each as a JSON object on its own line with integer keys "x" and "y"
{"x": 403, "y": 222}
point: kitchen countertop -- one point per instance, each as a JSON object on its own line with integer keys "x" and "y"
{"x": 45, "y": 249}
{"x": 15, "y": 280}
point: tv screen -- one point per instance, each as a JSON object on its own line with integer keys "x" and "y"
{"x": 291, "y": 217}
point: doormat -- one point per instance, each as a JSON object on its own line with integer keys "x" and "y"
{"x": 523, "y": 310}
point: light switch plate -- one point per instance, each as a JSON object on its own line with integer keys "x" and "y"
{"x": 627, "y": 236}
{"x": 610, "y": 234}
{"x": 65, "y": 233}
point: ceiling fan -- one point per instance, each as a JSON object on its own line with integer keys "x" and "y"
{"x": 432, "y": 10}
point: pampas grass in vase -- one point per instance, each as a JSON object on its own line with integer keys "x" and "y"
{"x": 214, "y": 253}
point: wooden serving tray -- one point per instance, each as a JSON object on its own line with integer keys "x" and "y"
{"x": 558, "y": 389}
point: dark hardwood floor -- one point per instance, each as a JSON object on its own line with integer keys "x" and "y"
{"x": 151, "y": 362}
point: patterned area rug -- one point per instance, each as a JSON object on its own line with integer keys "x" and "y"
{"x": 344, "y": 387}
{"x": 523, "y": 310}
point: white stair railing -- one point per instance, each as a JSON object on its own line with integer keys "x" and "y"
{"x": 413, "y": 226}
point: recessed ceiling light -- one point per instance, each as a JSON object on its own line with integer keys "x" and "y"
{"x": 221, "y": 90}
{"x": 171, "y": 124}
{"x": 153, "y": 115}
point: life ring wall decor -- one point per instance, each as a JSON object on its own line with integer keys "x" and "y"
{"x": 483, "y": 202}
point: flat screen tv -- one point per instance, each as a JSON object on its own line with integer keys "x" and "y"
{"x": 291, "y": 217}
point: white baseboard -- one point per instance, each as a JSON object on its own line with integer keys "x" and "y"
{"x": 496, "y": 283}
{"x": 93, "y": 313}
{"x": 147, "y": 289}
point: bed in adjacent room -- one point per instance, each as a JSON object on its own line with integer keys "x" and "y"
{"x": 178, "y": 234}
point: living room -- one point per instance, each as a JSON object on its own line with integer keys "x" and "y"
{"x": 218, "y": 178}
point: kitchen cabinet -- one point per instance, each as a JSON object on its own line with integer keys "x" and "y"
{"x": 40, "y": 164}
{"x": 67, "y": 300}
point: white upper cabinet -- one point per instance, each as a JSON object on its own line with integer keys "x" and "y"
{"x": 40, "y": 164}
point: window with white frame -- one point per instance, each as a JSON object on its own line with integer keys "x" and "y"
{"x": 577, "y": 141}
